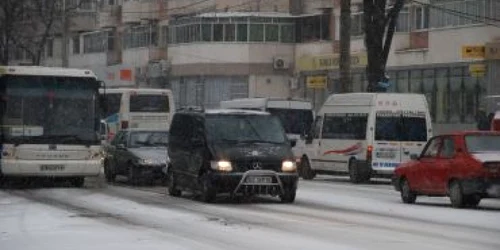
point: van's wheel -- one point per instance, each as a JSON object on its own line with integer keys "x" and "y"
{"x": 78, "y": 182}
{"x": 305, "y": 169}
{"x": 109, "y": 173}
{"x": 208, "y": 192}
{"x": 407, "y": 196}
{"x": 172, "y": 185}
{"x": 457, "y": 197}
{"x": 356, "y": 174}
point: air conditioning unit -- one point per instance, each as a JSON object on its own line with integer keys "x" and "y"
{"x": 280, "y": 63}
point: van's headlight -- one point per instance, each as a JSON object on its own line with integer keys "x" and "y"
{"x": 288, "y": 166}
{"x": 224, "y": 166}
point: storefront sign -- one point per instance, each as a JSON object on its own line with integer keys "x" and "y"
{"x": 477, "y": 70}
{"x": 316, "y": 82}
{"x": 473, "y": 51}
{"x": 329, "y": 62}
{"x": 493, "y": 51}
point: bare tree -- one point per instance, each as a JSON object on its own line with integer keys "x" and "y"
{"x": 12, "y": 13}
{"x": 380, "y": 25}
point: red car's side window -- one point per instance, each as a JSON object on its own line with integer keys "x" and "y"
{"x": 448, "y": 150}
{"x": 432, "y": 148}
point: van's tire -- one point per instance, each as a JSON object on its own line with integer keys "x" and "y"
{"x": 457, "y": 197}
{"x": 357, "y": 174}
{"x": 172, "y": 185}
{"x": 305, "y": 169}
{"x": 208, "y": 192}
{"x": 407, "y": 195}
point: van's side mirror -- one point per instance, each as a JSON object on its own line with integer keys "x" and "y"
{"x": 414, "y": 157}
{"x": 293, "y": 143}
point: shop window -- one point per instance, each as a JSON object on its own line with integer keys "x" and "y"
{"x": 218, "y": 30}
{"x": 416, "y": 81}
{"x": 256, "y": 32}
{"x": 428, "y": 89}
{"x": 229, "y": 32}
{"x": 402, "y": 83}
{"x": 287, "y": 33}
{"x": 456, "y": 95}
{"x": 272, "y": 33}
{"x": 242, "y": 32}
{"x": 311, "y": 29}
{"x": 194, "y": 33}
{"x": 206, "y": 32}
{"x": 442, "y": 100}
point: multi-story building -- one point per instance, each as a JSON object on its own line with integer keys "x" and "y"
{"x": 213, "y": 50}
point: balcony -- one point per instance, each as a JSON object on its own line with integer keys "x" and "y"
{"x": 186, "y": 7}
{"x": 110, "y": 16}
{"x": 135, "y": 11}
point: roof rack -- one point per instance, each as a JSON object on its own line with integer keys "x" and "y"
{"x": 191, "y": 108}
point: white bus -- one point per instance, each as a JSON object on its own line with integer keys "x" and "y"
{"x": 49, "y": 123}
{"x": 137, "y": 108}
{"x": 366, "y": 134}
{"x": 295, "y": 115}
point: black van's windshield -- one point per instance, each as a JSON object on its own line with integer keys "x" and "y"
{"x": 244, "y": 128}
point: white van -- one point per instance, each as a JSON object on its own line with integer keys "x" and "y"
{"x": 366, "y": 134}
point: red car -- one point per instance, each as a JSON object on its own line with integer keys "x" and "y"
{"x": 464, "y": 166}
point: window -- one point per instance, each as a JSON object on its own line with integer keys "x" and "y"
{"x": 403, "y": 24}
{"x": 194, "y": 33}
{"x": 316, "y": 133}
{"x": 111, "y": 41}
{"x": 149, "y": 103}
{"x": 272, "y": 32}
{"x": 471, "y": 12}
{"x": 113, "y": 104}
{"x": 482, "y": 143}
{"x": 242, "y": 32}
{"x": 357, "y": 24}
{"x": 230, "y": 32}
{"x": 94, "y": 42}
{"x": 141, "y": 36}
{"x": 346, "y": 126}
{"x": 400, "y": 126}
{"x": 295, "y": 121}
{"x": 448, "y": 150}
{"x": 50, "y": 47}
{"x": 218, "y": 30}
{"x": 256, "y": 32}
{"x": 287, "y": 33}
{"x": 76, "y": 45}
{"x": 421, "y": 17}
{"x": 432, "y": 148}
{"x": 206, "y": 32}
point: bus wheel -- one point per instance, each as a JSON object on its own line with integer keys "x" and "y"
{"x": 78, "y": 182}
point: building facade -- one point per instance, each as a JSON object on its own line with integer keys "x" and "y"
{"x": 208, "y": 51}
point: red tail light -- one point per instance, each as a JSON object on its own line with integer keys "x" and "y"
{"x": 124, "y": 124}
{"x": 369, "y": 151}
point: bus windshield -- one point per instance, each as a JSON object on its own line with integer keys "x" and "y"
{"x": 49, "y": 110}
{"x": 295, "y": 121}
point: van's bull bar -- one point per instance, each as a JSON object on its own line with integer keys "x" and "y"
{"x": 276, "y": 187}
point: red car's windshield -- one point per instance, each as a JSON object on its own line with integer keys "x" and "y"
{"x": 482, "y": 143}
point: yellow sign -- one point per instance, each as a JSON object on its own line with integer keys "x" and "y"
{"x": 493, "y": 51}
{"x": 477, "y": 70}
{"x": 473, "y": 51}
{"x": 316, "y": 82}
{"x": 329, "y": 62}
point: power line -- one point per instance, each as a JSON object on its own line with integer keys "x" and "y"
{"x": 465, "y": 15}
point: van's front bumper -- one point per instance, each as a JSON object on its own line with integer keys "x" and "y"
{"x": 51, "y": 168}
{"x": 236, "y": 183}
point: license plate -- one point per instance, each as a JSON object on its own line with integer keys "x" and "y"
{"x": 259, "y": 179}
{"x": 52, "y": 167}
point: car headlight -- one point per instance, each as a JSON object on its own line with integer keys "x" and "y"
{"x": 224, "y": 166}
{"x": 288, "y": 166}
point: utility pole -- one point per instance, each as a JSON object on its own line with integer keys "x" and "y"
{"x": 345, "y": 46}
{"x": 65, "y": 36}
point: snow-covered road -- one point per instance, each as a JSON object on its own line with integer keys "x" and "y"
{"x": 329, "y": 213}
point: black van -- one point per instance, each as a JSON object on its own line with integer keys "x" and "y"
{"x": 235, "y": 152}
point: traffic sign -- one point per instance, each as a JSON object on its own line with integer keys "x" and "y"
{"x": 316, "y": 82}
{"x": 474, "y": 51}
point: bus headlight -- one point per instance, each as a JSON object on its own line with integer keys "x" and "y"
{"x": 224, "y": 166}
{"x": 288, "y": 166}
